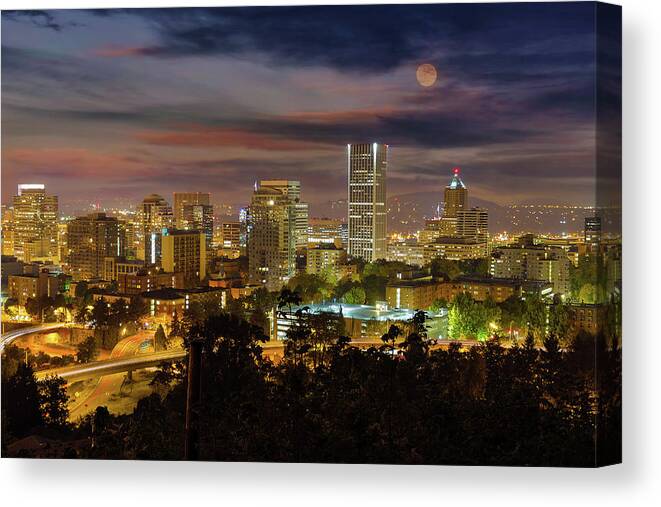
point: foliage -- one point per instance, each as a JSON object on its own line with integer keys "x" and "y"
{"x": 468, "y": 318}
{"x": 355, "y": 296}
{"x": 87, "y": 350}
{"x": 161, "y": 341}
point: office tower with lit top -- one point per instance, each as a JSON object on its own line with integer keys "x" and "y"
{"x": 272, "y": 235}
{"x": 292, "y": 189}
{"x": 455, "y": 196}
{"x": 35, "y": 224}
{"x": 367, "y": 165}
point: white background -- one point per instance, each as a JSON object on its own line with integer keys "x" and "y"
{"x": 636, "y": 482}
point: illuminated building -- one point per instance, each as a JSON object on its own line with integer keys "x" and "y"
{"x": 410, "y": 253}
{"x": 454, "y": 248}
{"x": 497, "y": 289}
{"x": 362, "y": 322}
{"x": 35, "y": 224}
{"x": 533, "y": 262}
{"x": 90, "y": 239}
{"x": 148, "y": 279}
{"x": 367, "y": 165}
{"x": 199, "y": 217}
{"x": 592, "y": 234}
{"x": 7, "y": 230}
{"x": 292, "y": 189}
{"x": 326, "y": 231}
{"x": 413, "y": 292}
{"x": 326, "y": 259}
{"x": 114, "y": 267}
{"x": 231, "y": 235}
{"x": 29, "y": 286}
{"x": 155, "y": 217}
{"x": 272, "y": 227}
{"x": 185, "y": 252}
{"x": 455, "y": 196}
{"x": 183, "y": 199}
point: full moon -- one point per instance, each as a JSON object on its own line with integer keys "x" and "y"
{"x": 426, "y": 74}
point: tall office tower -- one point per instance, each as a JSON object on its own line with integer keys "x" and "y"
{"x": 155, "y": 218}
{"x": 184, "y": 252}
{"x": 90, "y": 239}
{"x": 243, "y": 234}
{"x": 35, "y": 224}
{"x": 182, "y": 199}
{"x": 592, "y": 234}
{"x": 199, "y": 217}
{"x": 474, "y": 224}
{"x": 455, "y": 196}
{"x": 271, "y": 229}
{"x": 292, "y": 189}
{"x": 367, "y": 165}
{"x": 7, "y": 230}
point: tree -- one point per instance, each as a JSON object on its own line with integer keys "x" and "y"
{"x": 161, "y": 341}
{"x": 355, "y": 296}
{"x": 53, "y": 401}
{"x": 87, "y": 350}
{"x": 21, "y": 401}
{"x": 444, "y": 268}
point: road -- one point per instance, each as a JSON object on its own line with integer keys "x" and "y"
{"x": 109, "y": 373}
{"x": 9, "y": 337}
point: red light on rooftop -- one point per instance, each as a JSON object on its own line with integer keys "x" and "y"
{"x": 456, "y": 170}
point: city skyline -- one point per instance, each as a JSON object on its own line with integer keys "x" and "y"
{"x": 116, "y": 121}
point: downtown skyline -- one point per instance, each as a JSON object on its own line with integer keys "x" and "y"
{"x": 179, "y": 102}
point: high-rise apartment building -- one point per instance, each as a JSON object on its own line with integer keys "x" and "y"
{"x": 272, "y": 235}
{"x": 182, "y": 199}
{"x": 90, "y": 239}
{"x": 367, "y": 165}
{"x": 35, "y": 223}
{"x": 184, "y": 252}
{"x": 155, "y": 218}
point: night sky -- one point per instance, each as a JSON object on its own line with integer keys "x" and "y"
{"x": 123, "y": 103}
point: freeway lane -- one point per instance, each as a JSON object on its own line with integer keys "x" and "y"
{"x": 109, "y": 366}
{"x": 7, "y": 338}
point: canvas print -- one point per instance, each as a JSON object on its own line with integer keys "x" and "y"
{"x": 383, "y": 234}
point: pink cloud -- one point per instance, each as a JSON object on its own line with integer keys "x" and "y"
{"x": 201, "y": 136}
{"x": 119, "y": 51}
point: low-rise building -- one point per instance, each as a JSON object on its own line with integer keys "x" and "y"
{"x": 326, "y": 258}
{"x": 29, "y": 286}
{"x": 498, "y": 289}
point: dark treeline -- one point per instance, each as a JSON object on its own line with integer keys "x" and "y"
{"x": 400, "y": 402}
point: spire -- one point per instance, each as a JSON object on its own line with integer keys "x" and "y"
{"x": 456, "y": 180}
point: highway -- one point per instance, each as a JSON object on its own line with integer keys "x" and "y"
{"x": 9, "y": 337}
{"x": 110, "y": 366}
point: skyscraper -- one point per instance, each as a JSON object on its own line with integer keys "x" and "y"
{"x": 366, "y": 166}
{"x": 292, "y": 189}
{"x": 592, "y": 234}
{"x": 90, "y": 239}
{"x": 35, "y": 223}
{"x": 155, "y": 218}
{"x": 271, "y": 229}
{"x": 455, "y": 196}
{"x": 199, "y": 217}
{"x": 182, "y": 199}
